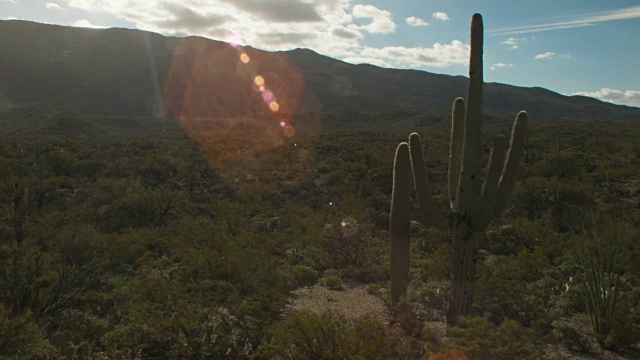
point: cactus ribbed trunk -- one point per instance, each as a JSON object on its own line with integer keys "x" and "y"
{"x": 400, "y": 223}
{"x": 464, "y": 261}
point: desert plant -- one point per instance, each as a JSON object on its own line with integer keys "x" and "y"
{"x": 600, "y": 253}
{"x": 330, "y": 335}
{"x": 479, "y": 338}
{"x": 472, "y": 205}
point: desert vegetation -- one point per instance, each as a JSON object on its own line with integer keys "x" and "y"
{"x": 129, "y": 237}
{"x": 134, "y": 243}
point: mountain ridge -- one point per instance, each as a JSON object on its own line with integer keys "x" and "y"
{"x": 127, "y": 72}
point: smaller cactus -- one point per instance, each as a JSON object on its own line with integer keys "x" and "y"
{"x": 400, "y": 223}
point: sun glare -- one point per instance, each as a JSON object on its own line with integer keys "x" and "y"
{"x": 219, "y": 93}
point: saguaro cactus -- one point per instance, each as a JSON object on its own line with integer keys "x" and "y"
{"x": 472, "y": 203}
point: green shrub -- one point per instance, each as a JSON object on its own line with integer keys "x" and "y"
{"x": 600, "y": 253}
{"x": 480, "y": 339}
{"x": 373, "y": 289}
{"x": 571, "y": 338}
{"x": 304, "y": 275}
{"x": 333, "y": 282}
{"x": 307, "y": 335}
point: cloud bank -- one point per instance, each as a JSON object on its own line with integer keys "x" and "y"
{"x": 629, "y": 97}
{"x": 337, "y": 28}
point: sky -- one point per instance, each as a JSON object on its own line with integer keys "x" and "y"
{"x": 586, "y": 47}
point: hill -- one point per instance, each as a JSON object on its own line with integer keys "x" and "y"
{"x": 123, "y": 72}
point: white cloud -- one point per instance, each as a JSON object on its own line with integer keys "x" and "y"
{"x": 577, "y": 20}
{"x": 279, "y": 11}
{"x": 368, "y": 60}
{"x": 53, "y": 6}
{"x": 545, "y": 55}
{"x": 381, "y": 21}
{"x": 336, "y": 28}
{"x": 440, "y": 16}
{"x": 11, "y": 1}
{"x": 440, "y": 55}
{"x": 629, "y": 97}
{"x": 416, "y": 21}
{"x": 85, "y": 23}
{"x": 500, "y": 65}
{"x": 513, "y": 43}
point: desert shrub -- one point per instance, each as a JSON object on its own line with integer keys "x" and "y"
{"x": 563, "y": 165}
{"x": 434, "y": 266}
{"x": 571, "y": 202}
{"x": 332, "y": 279}
{"x": 532, "y": 197}
{"x": 332, "y": 282}
{"x": 624, "y": 331}
{"x": 519, "y": 287}
{"x": 505, "y": 240}
{"x": 21, "y": 336}
{"x": 307, "y": 335}
{"x": 408, "y": 316}
{"x": 435, "y": 294}
{"x": 571, "y": 338}
{"x": 346, "y": 244}
{"x": 373, "y": 289}
{"x": 599, "y": 251}
{"x": 304, "y": 275}
{"x": 481, "y": 339}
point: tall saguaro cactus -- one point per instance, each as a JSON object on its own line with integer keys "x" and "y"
{"x": 472, "y": 202}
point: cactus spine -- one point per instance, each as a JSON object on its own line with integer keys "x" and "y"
{"x": 472, "y": 203}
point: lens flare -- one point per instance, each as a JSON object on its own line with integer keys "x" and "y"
{"x": 221, "y": 98}
{"x": 289, "y": 131}
{"x": 268, "y": 97}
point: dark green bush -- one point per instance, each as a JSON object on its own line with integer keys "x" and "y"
{"x": 307, "y": 335}
{"x": 304, "y": 275}
{"x": 481, "y": 339}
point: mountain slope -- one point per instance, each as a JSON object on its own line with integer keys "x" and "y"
{"x": 130, "y": 72}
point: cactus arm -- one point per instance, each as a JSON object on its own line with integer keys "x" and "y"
{"x": 455, "y": 151}
{"x": 512, "y": 164}
{"x": 432, "y": 214}
{"x": 400, "y": 222}
{"x": 484, "y": 213}
{"x": 470, "y": 182}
